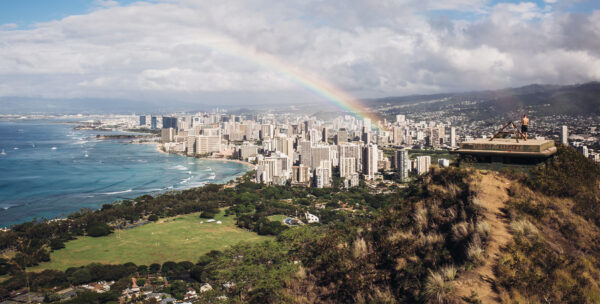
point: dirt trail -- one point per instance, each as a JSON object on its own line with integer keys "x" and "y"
{"x": 491, "y": 195}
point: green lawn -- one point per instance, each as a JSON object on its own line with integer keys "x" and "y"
{"x": 181, "y": 238}
{"x": 277, "y": 217}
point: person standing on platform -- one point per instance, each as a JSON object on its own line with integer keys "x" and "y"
{"x": 525, "y": 125}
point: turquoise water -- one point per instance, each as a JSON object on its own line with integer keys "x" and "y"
{"x": 46, "y": 173}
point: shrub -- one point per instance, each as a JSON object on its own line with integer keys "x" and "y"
{"x": 524, "y": 228}
{"x": 98, "y": 229}
{"x": 475, "y": 253}
{"x": 208, "y": 214}
{"x": 437, "y": 289}
{"x": 153, "y": 218}
{"x": 56, "y": 244}
{"x": 449, "y": 272}
{"x": 461, "y": 231}
{"x": 483, "y": 229}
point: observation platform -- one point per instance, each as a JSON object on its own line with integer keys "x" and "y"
{"x": 507, "y": 150}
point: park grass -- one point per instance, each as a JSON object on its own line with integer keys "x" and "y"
{"x": 181, "y": 238}
{"x": 277, "y": 217}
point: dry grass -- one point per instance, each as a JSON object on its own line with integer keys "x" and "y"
{"x": 461, "y": 231}
{"x": 475, "y": 253}
{"x": 437, "y": 289}
{"x": 524, "y": 228}
{"x": 483, "y": 229}
{"x": 420, "y": 218}
{"x": 449, "y": 272}
{"x": 359, "y": 248}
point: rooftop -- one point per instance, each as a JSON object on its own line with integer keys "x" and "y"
{"x": 508, "y": 147}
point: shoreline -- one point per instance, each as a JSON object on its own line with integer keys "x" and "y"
{"x": 158, "y": 148}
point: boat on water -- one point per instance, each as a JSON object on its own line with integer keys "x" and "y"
{"x": 2, "y": 153}
{"x": 53, "y": 148}
{"x": 86, "y": 155}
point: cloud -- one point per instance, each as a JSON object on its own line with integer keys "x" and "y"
{"x": 8, "y": 26}
{"x": 369, "y": 48}
{"x": 106, "y": 3}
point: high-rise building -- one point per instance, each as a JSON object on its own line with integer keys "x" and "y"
{"x": 318, "y": 154}
{"x": 407, "y": 137}
{"x": 142, "y": 120}
{"x": 305, "y": 152}
{"x": 153, "y": 122}
{"x": 423, "y": 163}
{"x": 564, "y": 135}
{"x": 324, "y": 135}
{"x": 353, "y": 151}
{"x": 300, "y": 174}
{"x": 169, "y": 122}
{"x": 266, "y": 131}
{"x": 167, "y": 135}
{"x": 342, "y": 136}
{"x": 402, "y": 163}
{"x": 322, "y": 174}
{"x": 452, "y": 137}
{"x": 284, "y": 145}
{"x": 400, "y": 118}
{"x": 347, "y": 166}
{"x": 266, "y": 170}
{"x": 370, "y": 160}
{"x": 366, "y": 135}
{"x": 191, "y": 145}
{"x": 206, "y": 144}
{"x": 246, "y": 151}
{"x": 397, "y": 133}
{"x": 435, "y": 136}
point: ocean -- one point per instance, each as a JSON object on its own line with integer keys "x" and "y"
{"x": 50, "y": 170}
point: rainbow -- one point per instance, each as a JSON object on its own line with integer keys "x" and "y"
{"x": 303, "y": 78}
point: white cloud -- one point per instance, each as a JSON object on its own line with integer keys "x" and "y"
{"x": 8, "y": 26}
{"x": 106, "y": 3}
{"x": 370, "y": 48}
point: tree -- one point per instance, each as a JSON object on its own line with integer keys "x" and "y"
{"x": 80, "y": 276}
{"x": 154, "y": 268}
{"x": 98, "y": 229}
{"x": 56, "y": 244}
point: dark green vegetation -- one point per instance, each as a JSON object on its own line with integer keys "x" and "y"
{"x": 384, "y": 245}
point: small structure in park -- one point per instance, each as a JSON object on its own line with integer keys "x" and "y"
{"x": 515, "y": 150}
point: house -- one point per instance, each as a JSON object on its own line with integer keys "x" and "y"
{"x": 206, "y": 287}
{"x": 99, "y": 287}
{"x": 190, "y": 294}
{"x": 311, "y": 218}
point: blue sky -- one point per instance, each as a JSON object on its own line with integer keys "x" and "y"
{"x": 25, "y": 13}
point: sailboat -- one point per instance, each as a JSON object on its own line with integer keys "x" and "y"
{"x": 3, "y": 153}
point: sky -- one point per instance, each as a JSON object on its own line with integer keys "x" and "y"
{"x": 252, "y": 51}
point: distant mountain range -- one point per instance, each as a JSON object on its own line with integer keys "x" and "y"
{"x": 541, "y": 99}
